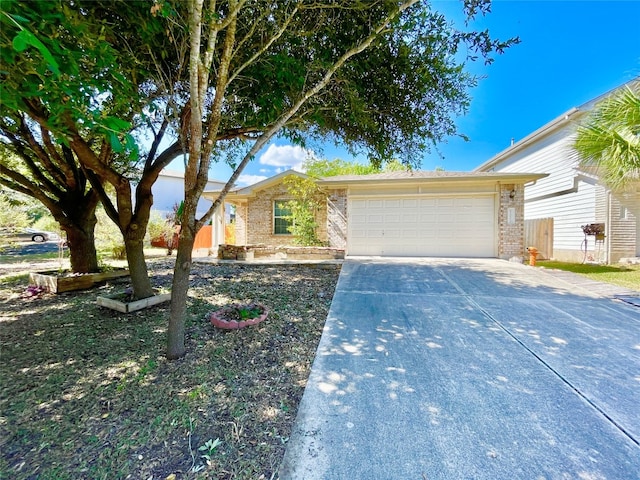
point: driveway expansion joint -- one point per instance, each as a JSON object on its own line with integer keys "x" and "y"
{"x": 490, "y": 317}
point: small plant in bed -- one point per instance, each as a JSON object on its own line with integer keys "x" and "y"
{"x": 239, "y": 315}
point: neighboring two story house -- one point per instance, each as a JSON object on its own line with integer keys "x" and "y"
{"x": 557, "y": 207}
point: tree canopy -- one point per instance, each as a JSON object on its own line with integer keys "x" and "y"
{"x": 382, "y": 76}
{"x": 609, "y": 137}
{"x": 98, "y": 78}
{"x": 318, "y": 168}
{"x": 222, "y": 78}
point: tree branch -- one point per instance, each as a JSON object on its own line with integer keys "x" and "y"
{"x": 35, "y": 169}
{"x": 266, "y": 47}
{"x": 19, "y": 183}
{"x": 275, "y": 128}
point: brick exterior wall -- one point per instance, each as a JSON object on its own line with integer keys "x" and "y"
{"x": 511, "y": 235}
{"x": 254, "y": 220}
{"x": 260, "y": 217}
{"x": 241, "y": 224}
{"x": 337, "y": 218}
{"x": 257, "y": 219}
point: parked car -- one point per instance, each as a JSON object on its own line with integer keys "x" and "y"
{"x": 31, "y": 234}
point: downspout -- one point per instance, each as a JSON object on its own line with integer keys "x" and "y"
{"x": 607, "y": 229}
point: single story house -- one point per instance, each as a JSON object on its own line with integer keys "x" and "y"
{"x": 408, "y": 213}
{"x": 557, "y": 207}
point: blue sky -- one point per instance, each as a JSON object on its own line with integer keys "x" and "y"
{"x": 570, "y": 53}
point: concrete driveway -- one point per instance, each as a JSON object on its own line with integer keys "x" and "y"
{"x": 469, "y": 369}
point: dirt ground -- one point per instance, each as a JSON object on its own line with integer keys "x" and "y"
{"x": 88, "y": 393}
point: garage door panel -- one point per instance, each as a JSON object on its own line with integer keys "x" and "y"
{"x": 357, "y": 219}
{"x": 393, "y": 218}
{"x": 434, "y": 226}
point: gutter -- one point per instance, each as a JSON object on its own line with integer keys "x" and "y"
{"x": 443, "y": 179}
{"x": 573, "y": 189}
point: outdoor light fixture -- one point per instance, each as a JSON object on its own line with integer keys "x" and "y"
{"x": 512, "y": 193}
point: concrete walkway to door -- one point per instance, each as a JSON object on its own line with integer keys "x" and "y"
{"x": 469, "y": 369}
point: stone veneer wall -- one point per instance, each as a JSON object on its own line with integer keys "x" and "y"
{"x": 511, "y": 236}
{"x": 337, "y": 218}
{"x": 282, "y": 252}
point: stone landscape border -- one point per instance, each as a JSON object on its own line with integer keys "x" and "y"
{"x": 283, "y": 252}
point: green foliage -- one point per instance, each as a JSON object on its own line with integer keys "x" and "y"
{"x": 248, "y": 313}
{"x": 79, "y": 63}
{"x": 609, "y": 137}
{"x": 318, "y": 168}
{"x": 14, "y": 211}
{"x": 109, "y": 241}
{"x": 164, "y": 228}
{"x": 308, "y": 200}
{"x": 394, "y": 101}
{"x": 402, "y": 97}
{"x": 208, "y": 449}
{"x": 25, "y": 39}
{"x": 158, "y": 226}
{"x": 178, "y": 210}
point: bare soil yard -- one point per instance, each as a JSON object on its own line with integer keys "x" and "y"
{"x": 87, "y": 392}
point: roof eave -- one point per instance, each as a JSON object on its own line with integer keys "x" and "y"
{"x": 471, "y": 178}
{"x": 243, "y": 193}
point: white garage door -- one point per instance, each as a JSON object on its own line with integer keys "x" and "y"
{"x": 422, "y": 226}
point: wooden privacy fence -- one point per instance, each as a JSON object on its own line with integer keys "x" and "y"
{"x": 538, "y": 233}
{"x": 204, "y": 237}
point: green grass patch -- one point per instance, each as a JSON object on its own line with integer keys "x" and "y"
{"x": 623, "y": 275}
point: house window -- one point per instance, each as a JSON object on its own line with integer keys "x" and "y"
{"x": 281, "y": 218}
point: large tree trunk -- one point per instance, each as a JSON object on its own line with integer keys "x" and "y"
{"x": 179, "y": 291}
{"x": 76, "y": 214}
{"x": 82, "y": 248}
{"x": 140, "y": 281}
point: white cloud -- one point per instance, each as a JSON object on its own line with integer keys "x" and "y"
{"x": 244, "y": 180}
{"x": 284, "y": 157}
